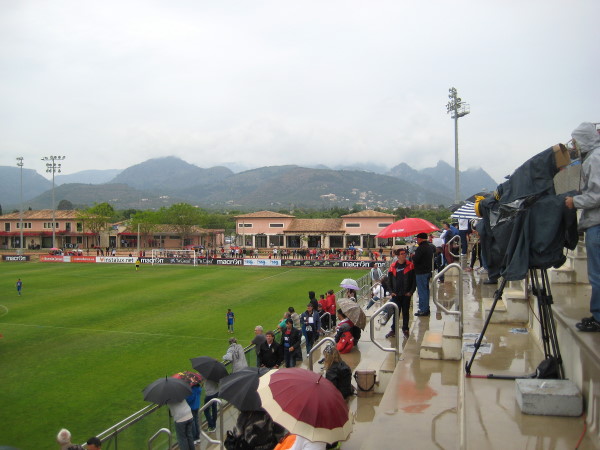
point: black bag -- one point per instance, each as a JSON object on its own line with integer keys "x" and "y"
{"x": 235, "y": 442}
{"x": 548, "y": 369}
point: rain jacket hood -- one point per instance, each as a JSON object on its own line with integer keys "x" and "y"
{"x": 588, "y": 201}
{"x": 587, "y": 137}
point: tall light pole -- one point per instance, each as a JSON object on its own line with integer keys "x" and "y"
{"x": 52, "y": 167}
{"x": 456, "y": 108}
{"x": 20, "y": 164}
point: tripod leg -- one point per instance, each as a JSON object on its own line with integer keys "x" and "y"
{"x": 497, "y": 296}
{"x": 551, "y": 325}
{"x": 540, "y": 292}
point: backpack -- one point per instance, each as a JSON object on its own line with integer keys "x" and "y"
{"x": 346, "y": 343}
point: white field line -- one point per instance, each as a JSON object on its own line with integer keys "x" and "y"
{"x": 3, "y": 310}
{"x": 88, "y": 330}
{"x": 276, "y": 275}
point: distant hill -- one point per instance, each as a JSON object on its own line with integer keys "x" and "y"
{"x": 169, "y": 174}
{"x": 285, "y": 186}
{"x": 441, "y": 179}
{"x": 164, "y": 181}
{"x": 471, "y": 180}
{"x": 120, "y": 196}
{"x": 88, "y": 176}
{"x": 10, "y": 185}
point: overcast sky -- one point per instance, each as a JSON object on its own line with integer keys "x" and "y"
{"x": 113, "y": 83}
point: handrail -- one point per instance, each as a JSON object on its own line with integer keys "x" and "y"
{"x": 128, "y": 421}
{"x": 219, "y": 402}
{"x": 456, "y": 237}
{"x": 316, "y": 346}
{"x": 155, "y": 435}
{"x": 396, "y": 334}
{"x": 330, "y": 323}
{"x": 460, "y": 294}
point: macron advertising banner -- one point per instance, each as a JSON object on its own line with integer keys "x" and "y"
{"x": 15, "y": 258}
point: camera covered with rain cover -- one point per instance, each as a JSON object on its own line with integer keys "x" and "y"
{"x": 525, "y": 223}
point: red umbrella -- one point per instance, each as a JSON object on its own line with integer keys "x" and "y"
{"x": 306, "y": 404}
{"x": 407, "y": 227}
{"x": 192, "y": 378}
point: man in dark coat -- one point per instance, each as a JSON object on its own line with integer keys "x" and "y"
{"x": 402, "y": 286}
{"x": 270, "y": 353}
{"x": 423, "y": 262}
{"x": 291, "y": 341}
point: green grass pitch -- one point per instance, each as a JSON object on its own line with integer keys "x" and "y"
{"x": 83, "y": 340}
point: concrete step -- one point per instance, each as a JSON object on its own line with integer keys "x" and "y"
{"x": 578, "y": 262}
{"x": 500, "y": 312}
{"x": 517, "y": 305}
{"x": 451, "y": 340}
{"x": 431, "y": 346}
{"x": 562, "y": 275}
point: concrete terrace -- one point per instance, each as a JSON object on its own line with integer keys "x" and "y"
{"x": 432, "y": 404}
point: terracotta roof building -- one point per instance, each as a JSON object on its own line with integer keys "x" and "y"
{"x": 270, "y": 229}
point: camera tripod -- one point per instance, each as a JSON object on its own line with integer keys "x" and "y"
{"x": 552, "y": 366}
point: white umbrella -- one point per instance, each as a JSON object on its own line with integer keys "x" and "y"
{"x": 349, "y": 283}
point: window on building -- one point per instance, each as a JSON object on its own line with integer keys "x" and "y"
{"x": 80, "y": 239}
{"x": 48, "y": 225}
{"x": 383, "y": 225}
{"x": 6, "y": 226}
{"x": 275, "y": 225}
{"x": 25, "y": 225}
{"x": 245, "y": 225}
{"x": 352, "y": 225}
{"x": 79, "y": 227}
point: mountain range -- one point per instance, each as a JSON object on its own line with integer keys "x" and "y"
{"x": 164, "y": 181}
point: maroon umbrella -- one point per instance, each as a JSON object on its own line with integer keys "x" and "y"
{"x": 407, "y": 227}
{"x": 306, "y": 404}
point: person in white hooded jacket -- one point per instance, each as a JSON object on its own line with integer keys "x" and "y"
{"x": 587, "y": 141}
{"x": 235, "y": 354}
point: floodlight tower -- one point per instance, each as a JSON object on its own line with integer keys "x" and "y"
{"x": 457, "y": 109}
{"x": 20, "y": 165}
{"x": 52, "y": 167}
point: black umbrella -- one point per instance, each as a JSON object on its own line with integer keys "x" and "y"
{"x": 166, "y": 390}
{"x": 240, "y": 387}
{"x": 209, "y": 368}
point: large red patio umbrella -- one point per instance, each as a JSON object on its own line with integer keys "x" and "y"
{"x": 407, "y": 227}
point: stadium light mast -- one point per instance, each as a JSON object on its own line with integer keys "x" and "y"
{"x": 456, "y": 108}
{"x": 52, "y": 167}
{"x": 20, "y": 165}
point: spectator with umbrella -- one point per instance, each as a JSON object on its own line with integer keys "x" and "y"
{"x": 194, "y": 380}
{"x": 306, "y": 404}
{"x": 254, "y": 427}
{"x": 173, "y": 392}
{"x": 212, "y": 371}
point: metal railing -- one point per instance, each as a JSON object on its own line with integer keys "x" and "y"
{"x": 111, "y": 437}
{"x": 316, "y": 346}
{"x": 459, "y": 300}
{"x": 207, "y": 405}
{"x": 158, "y": 433}
{"x": 382, "y": 309}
